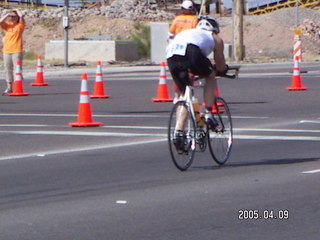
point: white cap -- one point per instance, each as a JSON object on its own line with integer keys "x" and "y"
{"x": 187, "y": 5}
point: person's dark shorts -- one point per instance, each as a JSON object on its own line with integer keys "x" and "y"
{"x": 194, "y": 61}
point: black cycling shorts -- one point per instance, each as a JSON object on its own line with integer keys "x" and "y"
{"x": 194, "y": 61}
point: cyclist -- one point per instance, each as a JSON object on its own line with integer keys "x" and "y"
{"x": 186, "y": 20}
{"x": 187, "y": 53}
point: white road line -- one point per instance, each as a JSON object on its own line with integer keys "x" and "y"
{"x": 37, "y": 114}
{"x": 107, "y": 115}
{"x": 136, "y": 127}
{"x": 276, "y": 130}
{"x": 248, "y": 117}
{"x": 126, "y": 134}
{"x": 312, "y": 171}
{"x": 309, "y": 121}
{"x": 25, "y": 125}
{"x": 93, "y": 134}
{"x": 278, "y": 138}
{"x": 74, "y": 115}
{"x": 80, "y": 149}
{"x": 165, "y": 128}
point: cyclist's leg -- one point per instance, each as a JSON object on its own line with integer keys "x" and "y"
{"x": 182, "y": 113}
{"x": 209, "y": 90}
{"x": 179, "y": 70}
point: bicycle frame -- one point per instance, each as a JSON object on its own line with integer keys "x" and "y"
{"x": 187, "y": 98}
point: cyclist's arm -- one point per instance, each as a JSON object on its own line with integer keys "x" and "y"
{"x": 219, "y": 59}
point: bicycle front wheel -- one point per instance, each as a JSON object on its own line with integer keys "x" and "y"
{"x": 182, "y": 148}
{"x": 220, "y": 140}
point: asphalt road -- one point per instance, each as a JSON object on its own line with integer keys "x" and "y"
{"x": 117, "y": 181}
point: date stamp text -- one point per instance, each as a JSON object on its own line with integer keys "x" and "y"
{"x": 255, "y": 214}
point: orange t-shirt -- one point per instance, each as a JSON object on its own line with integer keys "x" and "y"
{"x": 183, "y": 22}
{"x": 13, "y": 42}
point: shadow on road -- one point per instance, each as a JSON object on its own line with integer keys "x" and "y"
{"x": 263, "y": 162}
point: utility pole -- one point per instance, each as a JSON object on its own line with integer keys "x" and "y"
{"x": 202, "y": 11}
{"x": 65, "y": 24}
{"x": 237, "y": 19}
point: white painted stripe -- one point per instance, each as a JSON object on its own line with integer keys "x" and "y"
{"x": 98, "y": 78}
{"x": 72, "y": 115}
{"x": 136, "y": 127}
{"x": 37, "y": 114}
{"x": 125, "y": 134}
{"x": 24, "y": 125}
{"x": 312, "y": 171}
{"x": 99, "y": 69}
{"x": 276, "y": 130}
{"x": 108, "y": 115}
{"x": 309, "y": 121}
{"x": 84, "y": 99}
{"x": 84, "y": 86}
{"x": 162, "y": 80}
{"x": 235, "y": 129}
{"x": 278, "y": 138}
{"x": 81, "y": 149}
{"x": 249, "y": 117}
{"x": 111, "y": 127}
{"x": 93, "y": 134}
{"x": 165, "y": 128}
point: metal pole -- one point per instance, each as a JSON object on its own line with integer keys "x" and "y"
{"x": 65, "y": 23}
{"x": 232, "y": 25}
{"x": 297, "y": 13}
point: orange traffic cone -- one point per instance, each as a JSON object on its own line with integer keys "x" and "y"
{"x": 219, "y": 104}
{"x": 39, "y": 80}
{"x": 99, "y": 85}
{"x": 296, "y": 78}
{"x": 163, "y": 93}
{"x": 84, "y": 110}
{"x": 18, "y": 82}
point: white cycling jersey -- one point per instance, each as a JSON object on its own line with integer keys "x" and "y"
{"x": 201, "y": 38}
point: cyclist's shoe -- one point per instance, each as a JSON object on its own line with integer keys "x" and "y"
{"x": 210, "y": 121}
{"x": 179, "y": 141}
{"x": 6, "y": 92}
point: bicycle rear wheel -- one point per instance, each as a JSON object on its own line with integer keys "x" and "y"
{"x": 220, "y": 140}
{"x": 182, "y": 158}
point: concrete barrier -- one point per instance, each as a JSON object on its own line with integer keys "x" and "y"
{"x": 87, "y": 50}
{"x": 159, "y": 35}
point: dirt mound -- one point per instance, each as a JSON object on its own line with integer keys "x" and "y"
{"x": 38, "y": 33}
{"x": 267, "y": 37}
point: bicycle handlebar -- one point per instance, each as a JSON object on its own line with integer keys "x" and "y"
{"x": 236, "y": 68}
{"x": 232, "y": 76}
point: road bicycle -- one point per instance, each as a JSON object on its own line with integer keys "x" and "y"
{"x": 197, "y": 134}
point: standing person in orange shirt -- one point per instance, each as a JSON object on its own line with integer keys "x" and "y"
{"x": 13, "y": 25}
{"x": 186, "y": 20}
